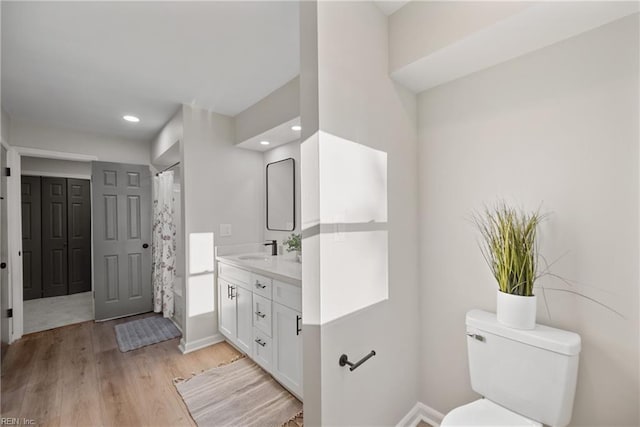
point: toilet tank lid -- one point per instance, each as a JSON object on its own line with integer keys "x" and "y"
{"x": 544, "y": 337}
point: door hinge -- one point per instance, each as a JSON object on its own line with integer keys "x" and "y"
{"x": 10, "y": 312}
{"x": 7, "y": 171}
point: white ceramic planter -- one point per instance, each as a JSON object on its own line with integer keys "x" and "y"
{"x": 516, "y": 311}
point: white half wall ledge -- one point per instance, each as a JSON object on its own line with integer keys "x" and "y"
{"x": 49, "y": 154}
{"x": 421, "y": 412}
{"x": 535, "y": 27}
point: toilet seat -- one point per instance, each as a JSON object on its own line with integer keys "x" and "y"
{"x": 483, "y": 412}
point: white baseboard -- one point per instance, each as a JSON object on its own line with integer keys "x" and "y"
{"x": 188, "y": 347}
{"x": 421, "y": 412}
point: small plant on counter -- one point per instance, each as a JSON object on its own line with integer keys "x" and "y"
{"x": 294, "y": 243}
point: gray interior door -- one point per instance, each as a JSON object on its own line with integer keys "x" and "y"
{"x": 54, "y": 237}
{"x": 31, "y": 238}
{"x": 122, "y": 238}
{"x": 79, "y": 234}
{"x": 5, "y": 321}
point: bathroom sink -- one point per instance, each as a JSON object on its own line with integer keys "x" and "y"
{"x": 254, "y": 257}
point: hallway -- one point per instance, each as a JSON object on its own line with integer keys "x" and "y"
{"x": 42, "y": 314}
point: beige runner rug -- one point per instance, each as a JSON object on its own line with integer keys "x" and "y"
{"x": 238, "y": 394}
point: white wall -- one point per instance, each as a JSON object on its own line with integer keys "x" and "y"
{"x": 358, "y": 102}
{"x": 4, "y": 125}
{"x": 278, "y": 107}
{"x": 106, "y": 148}
{"x": 42, "y": 166}
{"x": 559, "y": 127}
{"x": 179, "y": 300}
{"x": 168, "y": 136}
{"x": 291, "y": 150}
{"x": 222, "y": 184}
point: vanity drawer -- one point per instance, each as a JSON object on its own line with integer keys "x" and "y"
{"x": 287, "y": 295}
{"x": 262, "y": 349}
{"x": 262, "y": 314}
{"x": 261, "y": 285}
{"x": 234, "y": 274}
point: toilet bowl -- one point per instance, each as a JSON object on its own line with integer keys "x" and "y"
{"x": 484, "y": 412}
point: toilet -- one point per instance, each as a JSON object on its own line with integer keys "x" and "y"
{"x": 526, "y": 377}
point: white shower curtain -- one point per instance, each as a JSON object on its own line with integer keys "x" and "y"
{"x": 164, "y": 244}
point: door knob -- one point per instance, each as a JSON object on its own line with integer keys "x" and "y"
{"x": 3, "y": 265}
{"x": 145, "y": 245}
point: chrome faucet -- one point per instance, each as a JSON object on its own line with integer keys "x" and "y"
{"x": 274, "y": 247}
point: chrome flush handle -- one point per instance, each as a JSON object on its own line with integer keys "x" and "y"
{"x": 477, "y": 337}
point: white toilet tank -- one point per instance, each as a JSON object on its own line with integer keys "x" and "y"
{"x": 531, "y": 372}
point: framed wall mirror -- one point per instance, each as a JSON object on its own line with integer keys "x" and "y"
{"x": 281, "y": 186}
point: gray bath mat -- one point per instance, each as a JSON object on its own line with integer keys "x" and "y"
{"x": 143, "y": 332}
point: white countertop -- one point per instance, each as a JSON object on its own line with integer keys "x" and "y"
{"x": 281, "y": 267}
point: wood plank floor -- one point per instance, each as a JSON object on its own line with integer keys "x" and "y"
{"x": 76, "y": 376}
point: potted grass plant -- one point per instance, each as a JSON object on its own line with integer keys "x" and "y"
{"x": 510, "y": 248}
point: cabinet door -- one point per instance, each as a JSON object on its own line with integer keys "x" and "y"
{"x": 244, "y": 317}
{"x": 287, "y": 347}
{"x": 227, "y": 302}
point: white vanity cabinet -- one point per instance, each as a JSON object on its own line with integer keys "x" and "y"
{"x": 262, "y": 317}
{"x": 227, "y": 312}
{"x": 287, "y": 346}
{"x": 235, "y": 308}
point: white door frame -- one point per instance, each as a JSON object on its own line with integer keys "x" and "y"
{"x": 4, "y": 144}
{"x": 14, "y": 218}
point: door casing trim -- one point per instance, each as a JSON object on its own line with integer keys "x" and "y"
{"x": 14, "y": 220}
{"x": 55, "y": 175}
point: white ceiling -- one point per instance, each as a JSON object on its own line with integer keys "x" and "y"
{"x": 82, "y": 65}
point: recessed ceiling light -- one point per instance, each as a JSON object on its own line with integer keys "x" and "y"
{"x": 264, "y": 142}
{"x": 132, "y": 119}
{"x": 296, "y": 127}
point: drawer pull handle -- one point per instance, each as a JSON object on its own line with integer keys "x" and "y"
{"x": 298, "y": 329}
{"x": 231, "y": 294}
{"x": 260, "y": 342}
{"x": 260, "y": 285}
{"x": 260, "y": 315}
